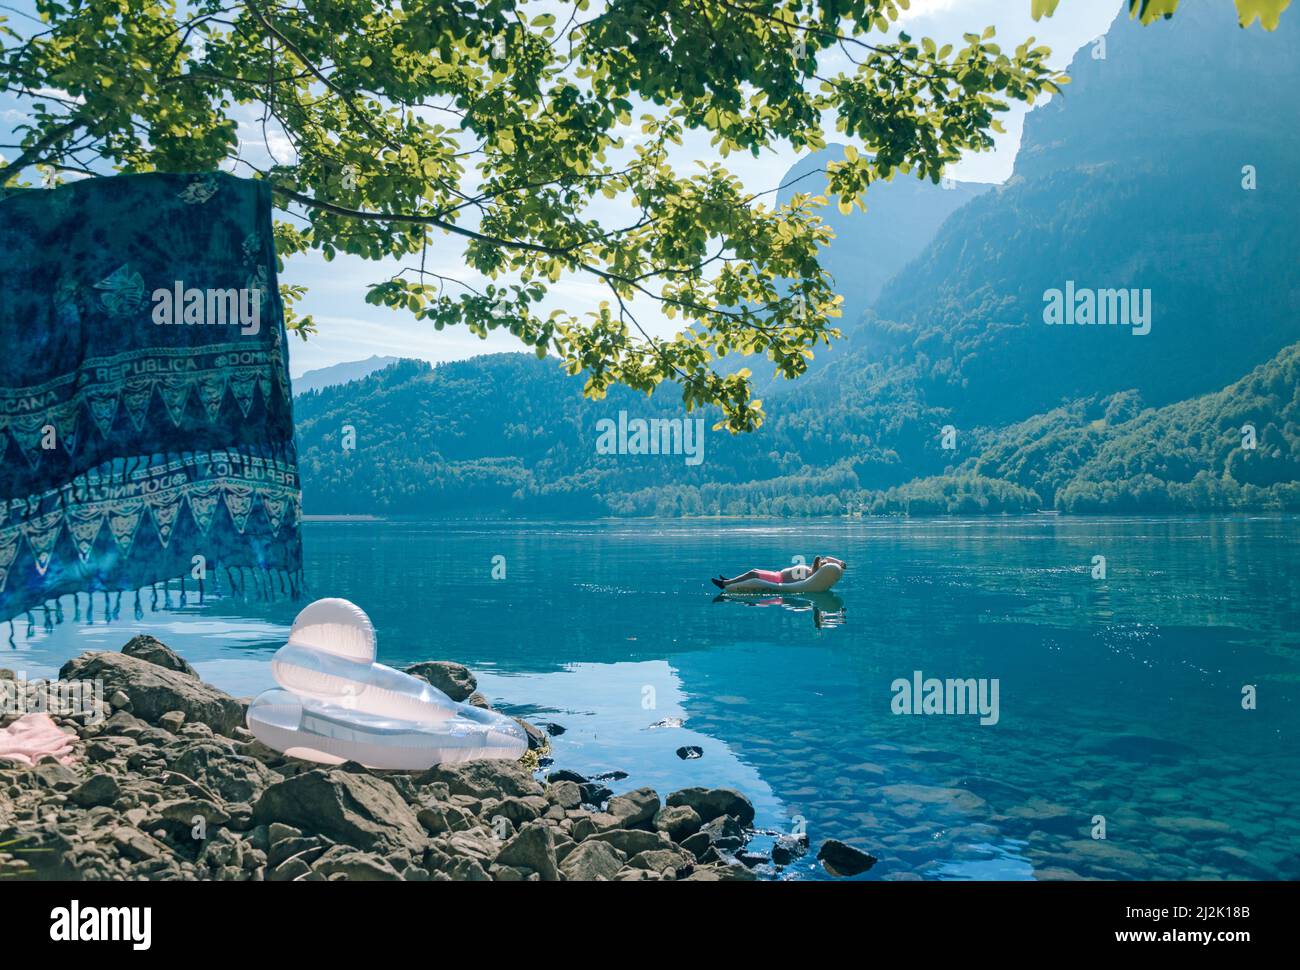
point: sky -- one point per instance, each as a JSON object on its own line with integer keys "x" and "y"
{"x": 349, "y": 329}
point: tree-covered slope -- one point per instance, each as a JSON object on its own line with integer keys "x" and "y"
{"x": 1134, "y": 178}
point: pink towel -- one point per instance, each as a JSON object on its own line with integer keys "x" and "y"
{"x": 31, "y": 737}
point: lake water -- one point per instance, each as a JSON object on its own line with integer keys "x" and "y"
{"x": 1120, "y": 699}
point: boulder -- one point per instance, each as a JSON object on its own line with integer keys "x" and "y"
{"x": 565, "y": 794}
{"x": 355, "y": 809}
{"x": 483, "y": 779}
{"x": 592, "y": 861}
{"x": 96, "y": 790}
{"x": 532, "y": 848}
{"x": 453, "y": 679}
{"x": 843, "y": 860}
{"x": 537, "y": 739}
{"x": 710, "y": 803}
{"x": 344, "y": 862}
{"x": 636, "y": 808}
{"x": 787, "y": 848}
{"x": 631, "y": 841}
{"x": 155, "y": 690}
{"x": 724, "y": 833}
{"x": 662, "y": 860}
{"x": 678, "y": 821}
{"x": 217, "y": 768}
{"x": 154, "y": 651}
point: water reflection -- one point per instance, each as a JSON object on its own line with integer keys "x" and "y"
{"x": 827, "y": 608}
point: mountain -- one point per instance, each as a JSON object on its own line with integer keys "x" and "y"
{"x": 1170, "y": 166}
{"x": 1134, "y": 179}
{"x": 314, "y": 380}
{"x": 871, "y": 247}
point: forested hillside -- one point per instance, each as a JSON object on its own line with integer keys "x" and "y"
{"x": 951, "y": 394}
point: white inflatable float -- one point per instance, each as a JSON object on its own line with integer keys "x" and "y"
{"x": 337, "y": 704}
{"x": 819, "y": 582}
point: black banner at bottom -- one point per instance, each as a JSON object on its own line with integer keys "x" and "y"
{"x": 142, "y": 920}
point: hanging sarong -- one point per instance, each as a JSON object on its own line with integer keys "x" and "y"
{"x": 146, "y": 426}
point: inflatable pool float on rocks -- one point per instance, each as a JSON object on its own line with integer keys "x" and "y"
{"x": 336, "y": 704}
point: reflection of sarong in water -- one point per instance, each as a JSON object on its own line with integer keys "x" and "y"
{"x": 133, "y": 452}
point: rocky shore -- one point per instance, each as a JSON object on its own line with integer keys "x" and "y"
{"x": 165, "y": 782}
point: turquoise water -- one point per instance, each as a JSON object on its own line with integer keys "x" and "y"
{"x": 1119, "y": 698}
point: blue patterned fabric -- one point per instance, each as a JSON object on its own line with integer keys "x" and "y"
{"x": 146, "y": 426}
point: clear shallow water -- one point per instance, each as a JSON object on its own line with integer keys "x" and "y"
{"x": 1118, "y": 698}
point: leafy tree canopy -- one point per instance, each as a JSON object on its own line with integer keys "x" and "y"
{"x": 542, "y": 133}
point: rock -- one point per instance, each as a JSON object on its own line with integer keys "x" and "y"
{"x": 690, "y": 752}
{"x": 787, "y": 848}
{"x": 594, "y": 793}
{"x": 537, "y": 739}
{"x": 563, "y": 774}
{"x": 184, "y": 812}
{"x": 342, "y": 861}
{"x": 592, "y": 861}
{"x": 724, "y": 833}
{"x": 96, "y": 790}
{"x": 521, "y": 810}
{"x": 660, "y": 860}
{"x": 610, "y": 776}
{"x": 453, "y": 679}
{"x": 478, "y": 700}
{"x": 172, "y": 721}
{"x": 698, "y": 844}
{"x": 467, "y": 870}
{"x": 635, "y": 808}
{"x": 55, "y": 776}
{"x": 355, "y": 809}
{"x": 678, "y": 821}
{"x": 218, "y": 769}
{"x": 631, "y": 841}
{"x": 565, "y": 794}
{"x": 843, "y": 860}
{"x": 278, "y": 832}
{"x": 483, "y": 779}
{"x": 137, "y": 845}
{"x": 156, "y": 690}
{"x": 288, "y": 871}
{"x": 306, "y": 849}
{"x": 154, "y": 651}
{"x": 533, "y": 848}
{"x": 501, "y": 873}
{"x": 119, "y": 701}
{"x": 710, "y": 803}
{"x": 554, "y": 730}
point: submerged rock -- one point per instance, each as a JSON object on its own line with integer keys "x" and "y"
{"x": 843, "y": 860}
